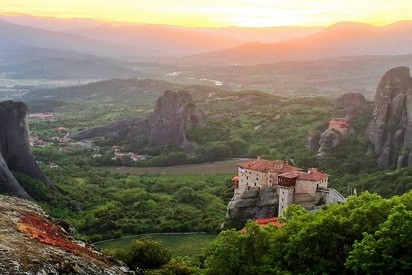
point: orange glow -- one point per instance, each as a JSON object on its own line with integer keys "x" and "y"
{"x": 215, "y": 13}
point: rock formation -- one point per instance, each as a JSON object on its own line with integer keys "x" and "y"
{"x": 348, "y": 106}
{"x": 32, "y": 243}
{"x": 351, "y": 105}
{"x": 174, "y": 114}
{"x": 390, "y": 131}
{"x": 312, "y": 141}
{"x": 255, "y": 202}
{"x": 15, "y": 152}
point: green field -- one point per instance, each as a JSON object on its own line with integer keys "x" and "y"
{"x": 216, "y": 167}
{"x": 178, "y": 244}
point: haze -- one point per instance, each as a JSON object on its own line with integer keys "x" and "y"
{"x": 218, "y": 13}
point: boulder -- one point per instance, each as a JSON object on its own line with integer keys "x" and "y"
{"x": 390, "y": 131}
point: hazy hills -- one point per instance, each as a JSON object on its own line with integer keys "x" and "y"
{"x": 342, "y": 39}
{"x": 119, "y": 90}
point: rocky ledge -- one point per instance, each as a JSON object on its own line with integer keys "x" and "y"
{"x": 32, "y": 243}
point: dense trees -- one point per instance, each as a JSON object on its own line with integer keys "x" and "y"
{"x": 367, "y": 234}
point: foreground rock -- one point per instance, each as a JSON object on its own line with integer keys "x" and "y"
{"x": 15, "y": 152}
{"x": 390, "y": 131}
{"x": 174, "y": 114}
{"x": 32, "y": 243}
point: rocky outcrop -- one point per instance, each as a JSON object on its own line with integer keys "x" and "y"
{"x": 337, "y": 131}
{"x": 390, "y": 131}
{"x": 15, "y": 152}
{"x": 174, "y": 114}
{"x": 255, "y": 202}
{"x": 351, "y": 105}
{"x": 32, "y": 243}
{"x": 312, "y": 141}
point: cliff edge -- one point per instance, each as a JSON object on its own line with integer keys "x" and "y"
{"x": 15, "y": 151}
{"x": 390, "y": 131}
{"x": 32, "y": 243}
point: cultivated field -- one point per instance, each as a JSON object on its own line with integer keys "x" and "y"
{"x": 217, "y": 167}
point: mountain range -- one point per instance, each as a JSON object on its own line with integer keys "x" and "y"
{"x": 182, "y": 45}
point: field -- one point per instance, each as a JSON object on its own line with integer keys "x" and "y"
{"x": 217, "y": 167}
{"x": 178, "y": 244}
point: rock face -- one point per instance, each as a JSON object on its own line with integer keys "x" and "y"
{"x": 256, "y": 202}
{"x": 174, "y": 114}
{"x": 31, "y": 243}
{"x": 337, "y": 131}
{"x": 351, "y": 105}
{"x": 390, "y": 131}
{"x": 312, "y": 141}
{"x": 15, "y": 152}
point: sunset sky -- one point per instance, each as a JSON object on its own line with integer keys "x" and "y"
{"x": 214, "y": 13}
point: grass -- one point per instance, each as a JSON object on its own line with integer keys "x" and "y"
{"x": 217, "y": 167}
{"x": 178, "y": 244}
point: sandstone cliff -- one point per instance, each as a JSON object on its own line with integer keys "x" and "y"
{"x": 390, "y": 131}
{"x": 351, "y": 105}
{"x": 32, "y": 243}
{"x": 15, "y": 152}
{"x": 254, "y": 203}
{"x": 174, "y": 114}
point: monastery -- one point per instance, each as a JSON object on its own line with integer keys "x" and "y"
{"x": 269, "y": 186}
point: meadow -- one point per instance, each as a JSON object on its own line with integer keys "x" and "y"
{"x": 185, "y": 244}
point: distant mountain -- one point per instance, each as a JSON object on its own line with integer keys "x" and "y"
{"x": 169, "y": 40}
{"x": 342, "y": 39}
{"x": 266, "y": 34}
{"x": 37, "y": 63}
{"x": 50, "y": 23}
{"x": 15, "y": 36}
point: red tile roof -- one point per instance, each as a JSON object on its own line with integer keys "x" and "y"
{"x": 264, "y": 222}
{"x": 262, "y": 165}
{"x": 342, "y": 124}
{"x": 235, "y": 178}
{"x": 274, "y": 220}
{"x": 311, "y": 175}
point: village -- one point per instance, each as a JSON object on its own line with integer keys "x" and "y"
{"x": 63, "y": 143}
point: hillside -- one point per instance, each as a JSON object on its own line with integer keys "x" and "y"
{"x": 131, "y": 90}
{"x": 342, "y": 39}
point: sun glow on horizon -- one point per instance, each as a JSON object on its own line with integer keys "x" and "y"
{"x": 214, "y": 13}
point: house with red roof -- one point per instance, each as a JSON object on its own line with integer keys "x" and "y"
{"x": 339, "y": 125}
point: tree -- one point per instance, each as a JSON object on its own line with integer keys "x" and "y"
{"x": 388, "y": 250}
{"x": 144, "y": 253}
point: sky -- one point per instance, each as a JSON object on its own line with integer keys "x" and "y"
{"x": 218, "y": 13}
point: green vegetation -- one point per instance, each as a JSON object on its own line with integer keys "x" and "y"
{"x": 102, "y": 205}
{"x": 365, "y": 235}
{"x": 177, "y": 244}
{"x": 144, "y": 254}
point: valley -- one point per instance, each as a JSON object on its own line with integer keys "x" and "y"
{"x": 149, "y": 141}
